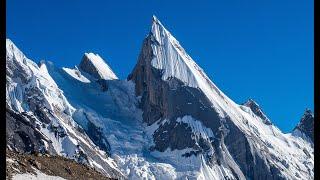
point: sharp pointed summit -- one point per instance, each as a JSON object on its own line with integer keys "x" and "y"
{"x": 158, "y": 31}
{"x": 154, "y": 18}
{"x": 189, "y": 115}
{"x": 171, "y": 58}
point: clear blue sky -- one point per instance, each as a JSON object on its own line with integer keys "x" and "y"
{"x": 250, "y": 49}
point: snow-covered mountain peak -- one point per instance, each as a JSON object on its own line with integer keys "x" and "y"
{"x": 154, "y": 18}
{"x": 251, "y": 102}
{"x": 13, "y": 51}
{"x": 8, "y": 43}
{"x": 171, "y": 58}
{"x": 94, "y": 65}
{"x": 158, "y": 31}
{"x": 179, "y": 100}
{"x": 16, "y": 63}
{"x": 256, "y": 109}
{"x": 306, "y": 125}
{"x": 308, "y": 112}
{"x": 169, "y": 121}
{"x": 307, "y": 116}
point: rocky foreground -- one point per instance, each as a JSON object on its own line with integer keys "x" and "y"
{"x": 30, "y": 164}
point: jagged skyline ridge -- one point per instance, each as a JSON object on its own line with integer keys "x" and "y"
{"x": 187, "y": 31}
{"x": 167, "y": 54}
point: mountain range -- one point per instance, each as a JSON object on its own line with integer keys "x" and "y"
{"x": 167, "y": 120}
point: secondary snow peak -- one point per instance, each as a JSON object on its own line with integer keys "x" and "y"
{"x": 94, "y": 65}
{"x": 308, "y": 112}
{"x": 256, "y": 109}
{"x": 13, "y": 51}
{"x": 306, "y": 125}
{"x": 154, "y": 18}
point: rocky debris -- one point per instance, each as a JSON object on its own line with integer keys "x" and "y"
{"x": 35, "y": 163}
{"x": 54, "y": 166}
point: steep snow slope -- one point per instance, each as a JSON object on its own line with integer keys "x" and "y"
{"x": 255, "y": 108}
{"x": 244, "y": 143}
{"x": 96, "y": 66}
{"x": 111, "y": 107}
{"x": 30, "y": 90}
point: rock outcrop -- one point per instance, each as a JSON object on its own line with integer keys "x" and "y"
{"x": 306, "y": 125}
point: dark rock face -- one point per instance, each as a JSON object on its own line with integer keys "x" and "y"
{"x": 253, "y": 164}
{"x": 97, "y": 136}
{"x": 306, "y": 124}
{"x": 23, "y": 135}
{"x": 87, "y": 66}
{"x": 168, "y": 100}
{"x": 103, "y": 84}
{"x": 255, "y": 108}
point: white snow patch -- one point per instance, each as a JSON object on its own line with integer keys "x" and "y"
{"x": 38, "y": 176}
{"x": 76, "y": 74}
{"x": 103, "y": 69}
{"x": 197, "y": 127}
